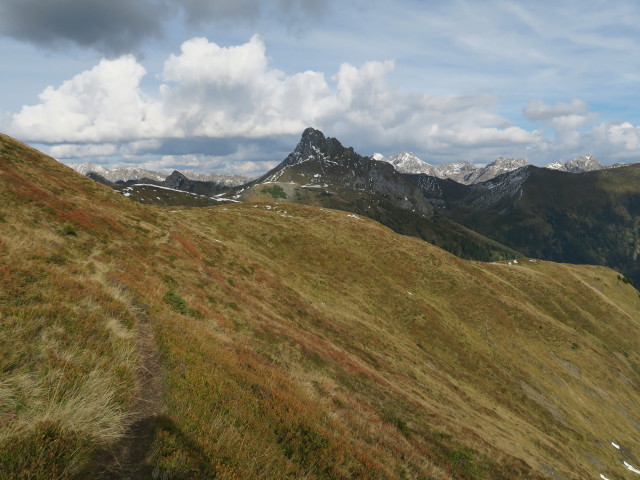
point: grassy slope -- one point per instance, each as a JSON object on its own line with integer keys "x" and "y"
{"x": 436, "y": 229}
{"x": 297, "y": 342}
{"x": 154, "y": 195}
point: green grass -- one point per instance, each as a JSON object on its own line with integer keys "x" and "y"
{"x": 176, "y": 302}
{"x": 276, "y": 191}
{"x": 69, "y": 230}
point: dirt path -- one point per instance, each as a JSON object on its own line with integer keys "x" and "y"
{"x": 126, "y": 459}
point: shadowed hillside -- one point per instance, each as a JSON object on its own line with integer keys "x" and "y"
{"x": 591, "y": 217}
{"x": 288, "y": 341}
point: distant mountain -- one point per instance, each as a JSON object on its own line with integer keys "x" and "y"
{"x": 129, "y": 174}
{"x": 499, "y": 166}
{"x": 117, "y": 174}
{"x": 586, "y": 163}
{"x": 544, "y": 213}
{"x": 461, "y": 172}
{"x": 318, "y": 161}
{"x": 408, "y": 163}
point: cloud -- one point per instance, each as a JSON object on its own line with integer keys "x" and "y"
{"x": 291, "y": 11}
{"x": 218, "y": 91}
{"x": 211, "y": 91}
{"x": 625, "y": 136}
{"x": 219, "y": 105}
{"x": 538, "y": 110}
{"x": 104, "y": 104}
{"x": 111, "y": 27}
{"x": 566, "y": 120}
{"x": 115, "y": 27}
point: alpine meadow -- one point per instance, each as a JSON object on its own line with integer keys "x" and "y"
{"x": 319, "y": 240}
{"x": 277, "y": 340}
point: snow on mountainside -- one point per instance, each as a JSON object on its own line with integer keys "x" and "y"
{"x": 84, "y": 168}
{"x": 507, "y": 188}
{"x": 461, "y": 172}
{"x": 585, "y": 163}
{"x": 408, "y": 163}
{"x": 125, "y": 174}
{"x": 555, "y": 166}
{"x": 499, "y": 166}
{"x": 116, "y": 174}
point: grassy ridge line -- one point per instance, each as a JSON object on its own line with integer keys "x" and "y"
{"x": 311, "y": 344}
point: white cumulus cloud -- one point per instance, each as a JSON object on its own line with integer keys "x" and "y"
{"x": 233, "y": 93}
{"x": 104, "y": 104}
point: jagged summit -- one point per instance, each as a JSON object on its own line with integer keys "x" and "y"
{"x": 129, "y": 174}
{"x": 407, "y": 162}
{"x": 461, "y": 172}
{"x": 585, "y": 163}
{"x": 508, "y": 164}
{"x": 314, "y": 144}
{"x": 499, "y": 166}
{"x": 118, "y": 174}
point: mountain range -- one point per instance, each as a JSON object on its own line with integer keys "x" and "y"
{"x": 128, "y": 174}
{"x": 577, "y": 212}
{"x": 590, "y": 217}
{"x": 467, "y": 173}
{"x": 278, "y": 340}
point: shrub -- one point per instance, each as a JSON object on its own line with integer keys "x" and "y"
{"x": 69, "y": 230}
{"x": 464, "y": 463}
{"x": 625, "y": 279}
{"x": 275, "y": 191}
{"x": 176, "y": 302}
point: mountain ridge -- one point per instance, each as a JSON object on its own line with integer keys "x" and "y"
{"x": 468, "y": 174}
{"x": 377, "y": 357}
{"x": 132, "y": 174}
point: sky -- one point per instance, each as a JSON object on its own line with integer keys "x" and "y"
{"x": 229, "y": 86}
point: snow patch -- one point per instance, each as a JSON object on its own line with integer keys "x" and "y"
{"x": 630, "y": 468}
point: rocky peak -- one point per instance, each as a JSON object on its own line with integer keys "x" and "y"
{"x": 87, "y": 167}
{"x": 313, "y": 144}
{"x": 585, "y": 163}
{"x": 407, "y": 162}
{"x": 555, "y": 166}
{"x": 499, "y": 166}
{"x": 508, "y": 164}
{"x": 175, "y": 180}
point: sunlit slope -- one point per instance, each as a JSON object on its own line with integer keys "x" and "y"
{"x": 295, "y": 342}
